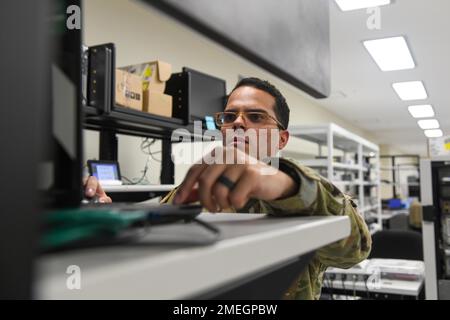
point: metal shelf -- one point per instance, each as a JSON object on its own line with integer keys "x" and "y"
{"x": 132, "y": 122}
{"x": 394, "y": 171}
{"x": 370, "y": 184}
{"x": 354, "y": 183}
{"x": 342, "y": 138}
{"x": 345, "y": 183}
{"x": 412, "y": 184}
{"x": 323, "y": 163}
{"x": 353, "y": 147}
{"x": 370, "y": 208}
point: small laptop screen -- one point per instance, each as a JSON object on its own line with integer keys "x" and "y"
{"x": 104, "y": 170}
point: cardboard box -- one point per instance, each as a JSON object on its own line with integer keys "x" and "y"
{"x": 157, "y": 103}
{"x": 128, "y": 90}
{"x": 154, "y": 74}
{"x": 146, "y": 81}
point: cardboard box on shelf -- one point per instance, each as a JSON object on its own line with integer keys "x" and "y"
{"x": 157, "y": 103}
{"x": 149, "y": 79}
{"x": 128, "y": 90}
{"x": 154, "y": 74}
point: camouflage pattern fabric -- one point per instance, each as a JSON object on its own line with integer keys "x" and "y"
{"x": 316, "y": 197}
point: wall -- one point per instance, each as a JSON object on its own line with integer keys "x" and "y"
{"x": 143, "y": 34}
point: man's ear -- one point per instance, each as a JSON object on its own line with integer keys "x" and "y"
{"x": 284, "y": 138}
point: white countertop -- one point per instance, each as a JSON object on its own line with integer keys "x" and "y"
{"x": 249, "y": 243}
{"x": 139, "y": 188}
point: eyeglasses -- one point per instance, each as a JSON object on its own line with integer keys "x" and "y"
{"x": 224, "y": 119}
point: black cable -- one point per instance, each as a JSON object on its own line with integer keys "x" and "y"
{"x": 144, "y": 174}
{"x": 330, "y": 285}
{"x": 155, "y": 159}
{"x": 144, "y": 226}
{"x": 145, "y": 143}
{"x": 366, "y": 278}
{"x": 145, "y": 148}
{"x": 125, "y": 178}
{"x": 141, "y": 178}
{"x": 343, "y": 287}
{"x": 208, "y": 226}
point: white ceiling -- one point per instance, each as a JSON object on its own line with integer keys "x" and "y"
{"x": 363, "y": 95}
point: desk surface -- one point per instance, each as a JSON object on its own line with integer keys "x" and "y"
{"x": 140, "y": 188}
{"x": 249, "y": 243}
{"x": 388, "y": 214}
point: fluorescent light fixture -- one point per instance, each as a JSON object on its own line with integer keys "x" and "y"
{"x": 411, "y": 90}
{"x": 428, "y": 124}
{"x": 390, "y": 54}
{"x": 347, "y": 5}
{"x": 437, "y": 133}
{"x": 422, "y": 111}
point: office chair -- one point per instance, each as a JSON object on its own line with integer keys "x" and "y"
{"x": 399, "y": 222}
{"x": 394, "y": 244}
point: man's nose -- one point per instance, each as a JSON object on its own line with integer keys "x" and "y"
{"x": 239, "y": 123}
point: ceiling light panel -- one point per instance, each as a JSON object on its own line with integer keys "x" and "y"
{"x": 428, "y": 124}
{"x": 421, "y": 111}
{"x": 390, "y": 54}
{"x": 411, "y": 90}
{"x": 347, "y": 5}
{"x": 437, "y": 133}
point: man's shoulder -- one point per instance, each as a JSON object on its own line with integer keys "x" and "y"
{"x": 312, "y": 174}
{"x": 307, "y": 171}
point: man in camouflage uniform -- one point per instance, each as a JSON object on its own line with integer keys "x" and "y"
{"x": 292, "y": 189}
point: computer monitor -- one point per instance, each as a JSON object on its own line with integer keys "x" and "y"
{"x": 107, "y": 172}
{"x": 207, "y": 95}
{"x": 40, "y": 144}
{"x": 20, "y": 107}
{"x": 61, "y": 168}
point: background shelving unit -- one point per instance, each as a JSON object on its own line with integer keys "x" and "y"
{"x": 396, "y": 173}
{"x": 350, "y": 162}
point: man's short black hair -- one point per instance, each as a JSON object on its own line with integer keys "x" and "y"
{"x": 281, "y": 107}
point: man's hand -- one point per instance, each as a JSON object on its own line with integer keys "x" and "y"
{"x": 247, "y": 176}
{"x": 92, "y": 188}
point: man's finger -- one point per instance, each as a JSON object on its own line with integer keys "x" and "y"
{"x": 220, "y": 191}
{"x": 188, "y": 183}
{"x": 100, "y": 192}
{"x": 205, "y": 183}
{"x": 192, "y": 197}
{"x": 105, "y": 199}
{"x": 91, "y": 186}
{"x": 242, "y": 191}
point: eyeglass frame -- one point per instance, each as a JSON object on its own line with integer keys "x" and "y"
{"x": 239, "y": 113}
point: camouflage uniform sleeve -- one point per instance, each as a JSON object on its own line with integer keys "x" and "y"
{"x": 317, "y": 196}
